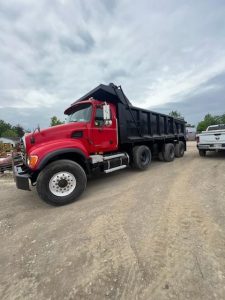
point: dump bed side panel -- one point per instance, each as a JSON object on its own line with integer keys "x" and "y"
{"x": 136, "y": 123}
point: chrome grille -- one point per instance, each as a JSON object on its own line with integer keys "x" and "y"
{"x": 23, "y": 149}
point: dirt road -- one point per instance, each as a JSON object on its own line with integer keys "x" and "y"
{"x": 158, "y": 234}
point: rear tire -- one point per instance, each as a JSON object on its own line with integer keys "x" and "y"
{"x": 142, "y": 157}
{"x": 179, "y": 149}
{"x": 169, "y": 152}
{"x": 61, "y": 182}
{"x": 202, "y": 153}
{"x": 160, "y": 156}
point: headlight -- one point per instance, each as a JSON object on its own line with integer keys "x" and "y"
{"x": 32, "y": 160}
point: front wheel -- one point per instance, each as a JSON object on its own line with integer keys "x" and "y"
{"x": 61, "y": 182}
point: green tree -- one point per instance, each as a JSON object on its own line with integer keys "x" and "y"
{"x": 19, "y": 130}
{"x": 210, "y": 120}
{"x": 220, "y": 119}
{"x": 223, "y": 119}
{"x": 9, "y": 133}
{"x": 4, "y": 126}
{"x": 176, "y": 114}
{"x": 55, "y": 121}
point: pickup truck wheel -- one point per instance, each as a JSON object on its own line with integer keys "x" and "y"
{"x": 179, "y": 149}
{"x": 141, "y": 157}
{"x": 169, "y": 152}
{"x": 61, "y": 182}
{"x": 202, "y": 152}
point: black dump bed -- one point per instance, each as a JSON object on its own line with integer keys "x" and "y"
{"x": 136, "y": 123}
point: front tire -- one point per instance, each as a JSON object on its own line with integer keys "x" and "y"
{"x": 61, "y": 182}
{"x": 142, "y": 157}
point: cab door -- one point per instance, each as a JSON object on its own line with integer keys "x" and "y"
{"x": 104, "y": 133}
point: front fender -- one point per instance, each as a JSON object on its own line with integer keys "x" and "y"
{"x": 47, "y": 151}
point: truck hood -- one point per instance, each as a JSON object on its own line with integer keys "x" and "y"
{"x": 52, "y": 133}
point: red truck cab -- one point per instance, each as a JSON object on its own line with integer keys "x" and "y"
{"x": 85, "y": 132}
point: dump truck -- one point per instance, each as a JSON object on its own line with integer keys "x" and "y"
{"x": 103, "y": 133}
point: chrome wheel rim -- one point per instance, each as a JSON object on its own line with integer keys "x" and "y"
{"x": 62, "y": 184}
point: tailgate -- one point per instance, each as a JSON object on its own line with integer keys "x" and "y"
{"x": 212, "y": 138}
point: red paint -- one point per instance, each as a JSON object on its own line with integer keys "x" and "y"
{"x": 95, "y": 139}
{"x": 104, "y": 138}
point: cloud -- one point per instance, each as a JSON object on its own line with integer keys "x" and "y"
{"x": 81, "y": 43}
{"x": 164, "y": 54}
{"x": 176, "y": 87}
{"x": 208, "y": 98}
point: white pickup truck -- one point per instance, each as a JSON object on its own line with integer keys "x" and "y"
{"x": 213, "y": 139}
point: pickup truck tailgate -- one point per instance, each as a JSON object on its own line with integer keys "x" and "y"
{"x": 214, "y": 140}
{"x": 212, "y": 137}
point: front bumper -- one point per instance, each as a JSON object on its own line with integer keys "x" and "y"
{"x": 21, "y": 176}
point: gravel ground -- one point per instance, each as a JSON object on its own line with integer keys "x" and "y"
{"x": 158, "y": 234}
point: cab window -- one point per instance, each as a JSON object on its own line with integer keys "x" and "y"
{"x": 99, "y": 121}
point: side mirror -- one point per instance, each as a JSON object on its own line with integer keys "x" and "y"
{"x": 106, "y": 112}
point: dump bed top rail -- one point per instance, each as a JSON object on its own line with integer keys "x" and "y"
{"x": 111, "y": 93}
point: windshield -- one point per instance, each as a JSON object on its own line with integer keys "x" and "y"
{"x": 81, "y": 113}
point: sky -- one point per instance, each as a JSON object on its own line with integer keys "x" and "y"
{"x": 167, "y": 55}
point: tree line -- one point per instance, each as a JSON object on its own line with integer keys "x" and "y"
{"x": 210, "y": 120}
{"x": 207, "y": 121}
{"x": 8, "y": 130}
